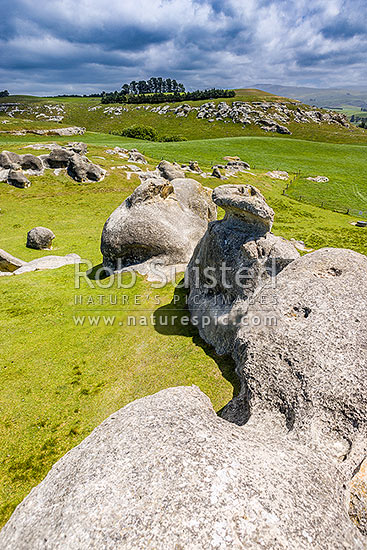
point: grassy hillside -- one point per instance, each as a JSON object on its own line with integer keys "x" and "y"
{"x": 89, "y": 113}
{"x": 60, "y": 380}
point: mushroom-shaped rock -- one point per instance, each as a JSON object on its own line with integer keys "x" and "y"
{"x": 237, "y": 255}
{"x": 161, "y": 222}
{"x": 81, "y": 169}
{"x": 244, "y": 202}
{"x": 166, "y": 473}
{"x": 170, "y": 171}
{"x": 40, "y": 238}
{"x": 16, "y": 178}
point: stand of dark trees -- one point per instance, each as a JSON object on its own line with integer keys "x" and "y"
{"x": 120, "y": 97}
{"x": 154, "y": 85}
{"x": 4, "y": 93}
{"x": 360, "y": 121}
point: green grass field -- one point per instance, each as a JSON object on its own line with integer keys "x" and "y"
{"x": 60, "y": 380}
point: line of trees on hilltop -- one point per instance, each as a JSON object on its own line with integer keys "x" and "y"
{"x": 4, "y": 93}
{"x": 155, "y": 85}
{"x": 197, "y": 95}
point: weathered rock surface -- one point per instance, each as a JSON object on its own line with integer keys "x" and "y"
{"x": 40, "y": 238}
{"x": 310, "y": 365}
{"x": 170, "y": 171}
{"x": 216, "y": 173}
{"x": 235, "y": 256}
{"x": 278, "y": 175}
{"x": 16, "y": 178}
{"x": 319, "y": 179}
{"x": 299, "y": 343}
{"x": 48, "y": 262}
{"x": 30, "y": 163}
{"x": 160, "y": 222}
{"x": 9, "y": 263}
{"x": 135, "y": 156}
{"x": 81, "y": 169}
{"x": 166, "y": 473}
{"x": 78, "y": 147}
{"x": 58, "y": 158}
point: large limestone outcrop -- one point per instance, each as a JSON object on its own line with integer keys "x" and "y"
{"x": 299, "y": 343}
{"x": 236, "y": 255}
{"x": 166, "y": 473}
{"x": 161, "y": 222}
{"x": 309, "y": 363}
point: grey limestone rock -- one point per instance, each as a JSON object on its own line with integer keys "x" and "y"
{"x": 236, "y": 255}
{"x": 161, "y": 222}
{"x": 81, "y": 169}
{"x": 170, "y": 171}
{"x": 9, "y": 263}
{"x": 16, "y": 178}
{"x": 40, "y": 238}
{"x": 166, "y": 473}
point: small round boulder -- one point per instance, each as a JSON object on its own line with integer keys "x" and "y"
{"x": 40, "y": 238}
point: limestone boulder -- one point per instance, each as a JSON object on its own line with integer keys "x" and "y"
{"x": 166, "y": 473}
{"x": 161, "y": 222}
{"x": 58, "y": 158}
{"x": 81, "y": 169}
{"x": 236, "y": 255}
{"x": 78, "y": 147}
{"x": 16, "y": 178}
{"x": 40, "y": 238}
{"x": 170, "y": 171}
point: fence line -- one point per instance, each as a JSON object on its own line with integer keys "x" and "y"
{"x": 328, "y": 206}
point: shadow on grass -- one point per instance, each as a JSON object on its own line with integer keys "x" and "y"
{"x": 169, "y": 320}
{"x": 98, "y": 273}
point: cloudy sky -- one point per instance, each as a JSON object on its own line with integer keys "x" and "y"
{"x": 62, "y": 46}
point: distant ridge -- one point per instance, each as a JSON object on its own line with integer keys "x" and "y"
{"x": 321, "y": 97}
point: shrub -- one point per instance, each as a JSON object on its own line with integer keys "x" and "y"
{"x": 172, "y": 138}
{"x": 147, "y": 133}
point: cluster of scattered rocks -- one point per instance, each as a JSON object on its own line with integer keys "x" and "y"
{"x": 271, "y": 116}
{"x": 70, "y": 131}
{"x": 14, "y": 168}
{"x": 278, "y": 467}
{"x": 278, "y": 175}
{"x": 46, "y": 112}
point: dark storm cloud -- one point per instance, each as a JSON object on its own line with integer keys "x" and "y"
{"x": 58, "y": 46}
